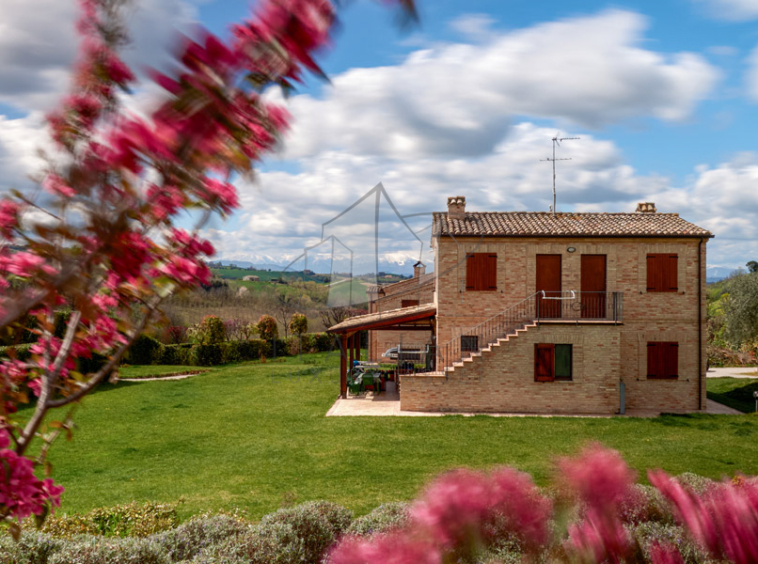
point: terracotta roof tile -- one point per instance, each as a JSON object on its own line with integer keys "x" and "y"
{"x": 545, "y": 224}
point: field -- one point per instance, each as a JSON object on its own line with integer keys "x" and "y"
{"x": 253, "y": 435}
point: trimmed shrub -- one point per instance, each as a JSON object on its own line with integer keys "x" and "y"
{"x": 273, "y": 543}
{"x": 267, "y": 328}
{"x": 211, "y": 330}
{"x": 189, "y": 539}
{"x": 645, "y": 504}
{"x": 384, "y": 518}
{"x": 253, "y": 349}
{"x": 130, "y": 520}
{"x": 145, "y": 350}
{"x": 323, "y": 342}
{"x": 698, "y": 484}
{"x": 298, "y": 324}
{"x": 93, "y": 550}
{"x": 318, "y": 524}
{"x": 649, "y": 533}
{"x": 207, "y": 355}
{"x": 32, "y": 548}
{"x": 175, "y": 355}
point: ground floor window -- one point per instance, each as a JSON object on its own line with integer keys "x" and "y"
{"x": 662, "y": 360}
{"x": 552, "y": 362}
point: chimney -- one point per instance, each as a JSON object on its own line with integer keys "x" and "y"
{"x": 456, "y": 207}
{"x": 646, "y": 207}
{"x": 419, "y": 269}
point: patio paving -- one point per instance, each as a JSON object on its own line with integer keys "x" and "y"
{"x": 388, "y": 404}
{"x": 749, "y": 372}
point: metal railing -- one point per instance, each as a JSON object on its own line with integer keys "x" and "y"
{"x": 540, "y": 306}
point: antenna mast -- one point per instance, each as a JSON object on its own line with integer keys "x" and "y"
{"x": 557, "y": 141}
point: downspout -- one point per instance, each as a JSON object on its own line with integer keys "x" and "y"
{"x": 700, "y": 324}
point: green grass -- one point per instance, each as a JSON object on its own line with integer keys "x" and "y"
{"x": 157, "y": 370}
{"x": 253, "y": 434}
{"x": 734, "y": 392}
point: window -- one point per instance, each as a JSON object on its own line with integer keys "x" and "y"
{"x": 552, "y": 362}
{"x": 662, "y": 272}
{"x": 408, "y": 303}
{"x": 469, "y": 343}
{"x": 481, "y": 271}
{"x": 662, "y": 360}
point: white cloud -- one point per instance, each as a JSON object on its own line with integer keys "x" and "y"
{"x": 732, "y": 10}
{"x": 474, "y": 27}
{"x": 458, "y": 99}
{"x": 751, "y": 76}
{"x": 38, "y": 45}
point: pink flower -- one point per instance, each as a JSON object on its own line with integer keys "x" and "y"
{"x": 395, "y": 548}
{"x": 22, "y": 264}
{"x": 598, "y": 476}
{"x": 516, "y": 498}
{"x": 454, "y": 507}
{"x": 57, "y": 186}
{"x": 8, "y": 217}
{"x": 665, "y": 554}
{"x": 117, "y": 70}
{"x": 221, "y": 193}
{"x": 599, "y": 538}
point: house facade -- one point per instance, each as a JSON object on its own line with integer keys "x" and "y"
{"x": 593, "y": 313}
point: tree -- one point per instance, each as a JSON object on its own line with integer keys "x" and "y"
{"x": 298, "y": 324}
{"x": 100, "y": 239}
{"x": 267, "y": 328}
{"x": 752, "y": 266}
{"x": 741, "y": 309}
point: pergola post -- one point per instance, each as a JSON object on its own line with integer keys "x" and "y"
{"x": 351, "y": 348}
{"x": 357, "y": 345}
{"x": 343, "y": 366}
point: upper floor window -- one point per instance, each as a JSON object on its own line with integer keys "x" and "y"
{"x": 481, "y": 271}
{"x": 662, "y": 272}
{"x": 408, "y": 303}
{"x": 662, "y": 360}
{"x": 552, "y": 362}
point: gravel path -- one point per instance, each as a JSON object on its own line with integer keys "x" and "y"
{"x": 749, "y": 372}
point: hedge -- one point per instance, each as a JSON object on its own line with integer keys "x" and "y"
{"x": 147, "y": 350}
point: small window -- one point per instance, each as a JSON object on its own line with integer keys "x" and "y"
{"x": 662, "y": 272}
{"x": 481, "y": 271}
{"x": 408, "y": 303}
{"x": 552, "y": 362}
{"x": 469, "y": 343}
{"x": 662, "y": 360}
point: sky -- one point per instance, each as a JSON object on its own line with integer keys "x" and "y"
{"x": 662, "y": 94}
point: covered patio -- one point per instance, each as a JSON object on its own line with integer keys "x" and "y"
{"x": 414, "y": 318}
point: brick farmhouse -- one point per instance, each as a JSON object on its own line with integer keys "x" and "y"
{"x": 534, "y": 312}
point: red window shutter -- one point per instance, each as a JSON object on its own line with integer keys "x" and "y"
{"x": 408, "y": 303}
{"x": 653, "y": 273}
{"x": 544, "y": 363}
{"x": 491, "y": 282}
{"x": 670, "y": 264}
{"x": 470, "y": 271}
{"x": 653, "y": 360}
{"x": 670, "y": 360}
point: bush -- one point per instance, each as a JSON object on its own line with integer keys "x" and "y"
{"x": 145, "y": 350}
{"x": 298, "y": 324}
{"x": 211, "y": 330}
{"x": 94, "y": 550}
{"x": 207, "y": 355}
{"x": 267, "y": 328}
{"x": 189, "y": 539}
{"x": 175, "y": 355}
{"x": 131, "y": 520}
{"x": 32, "y": 548}
{"x": 384, "y": 518}
{"x": 698, "y": 484}
{"x": 176, "y": 335}
{"x": 323, "y": 342}
{"x": 645, "y": 504}
{"x": 646, "y": 534}
{"x": 274, "y": 543}
{"x": 318, "y": 524}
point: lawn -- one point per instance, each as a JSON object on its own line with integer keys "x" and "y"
{"x": 253, "y": 435}
{"x": 734, "y": 392}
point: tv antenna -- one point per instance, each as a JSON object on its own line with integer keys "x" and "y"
{"x": 557, "y": 141}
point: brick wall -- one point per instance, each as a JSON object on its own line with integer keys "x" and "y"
{"x": 502, "y": 379}
{"x": 647, "y": 316}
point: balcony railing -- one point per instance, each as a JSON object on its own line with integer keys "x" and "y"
{"x": 541, "y": 306}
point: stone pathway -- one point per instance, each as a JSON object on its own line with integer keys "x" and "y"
{"x": 157, "y": 378}
{"x": 749, "y": 372}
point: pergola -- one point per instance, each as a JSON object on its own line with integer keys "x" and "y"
{"x": 414, "y": 318}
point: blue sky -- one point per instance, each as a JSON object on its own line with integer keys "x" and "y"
{"x": 663, "y": 94}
